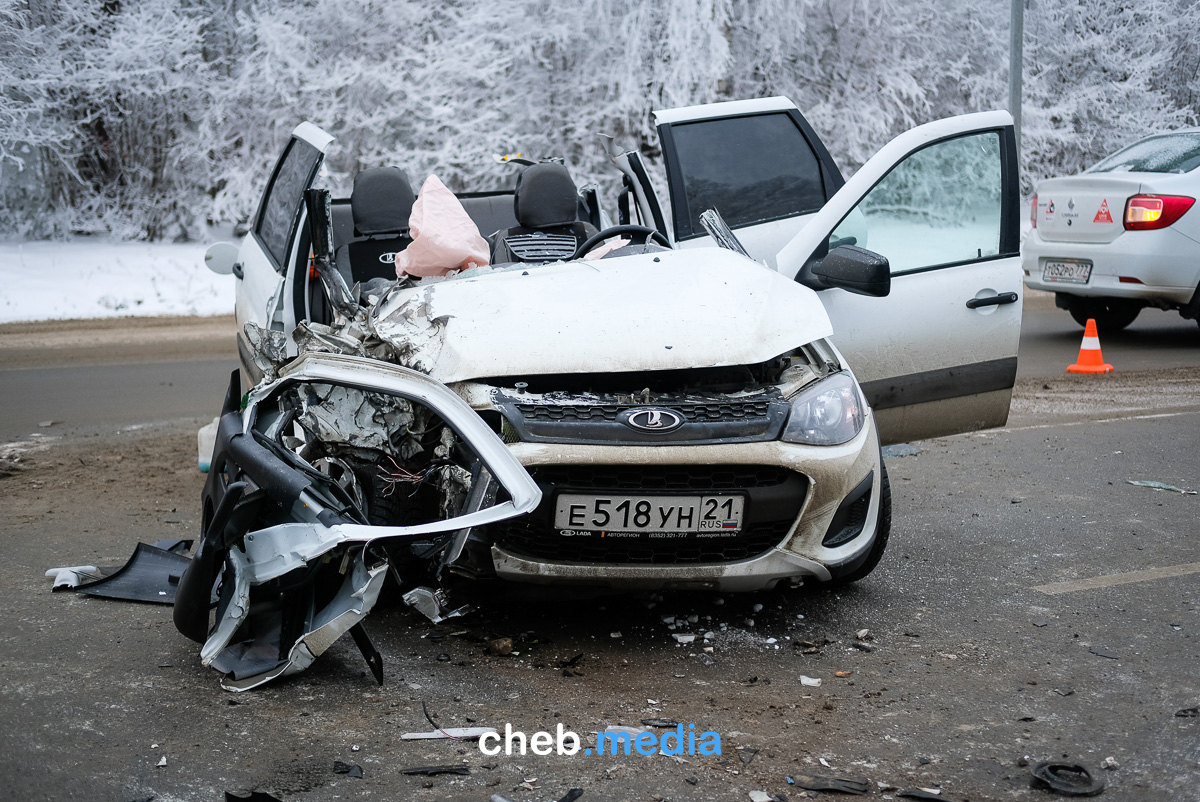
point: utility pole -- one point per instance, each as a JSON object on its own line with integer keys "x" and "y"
{"x": 1015, "y": 58}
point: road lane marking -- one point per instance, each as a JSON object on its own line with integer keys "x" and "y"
{"x": 1166, "y": 572}
{"x": 1117, "y": 419}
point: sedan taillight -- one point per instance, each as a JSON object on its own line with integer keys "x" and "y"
{"x": 1155, "y": 211}
{"x": 1033, "y": 211}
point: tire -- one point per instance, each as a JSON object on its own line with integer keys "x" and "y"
{"x": 1110, "y": 314}
{"x": 883, "y": 528}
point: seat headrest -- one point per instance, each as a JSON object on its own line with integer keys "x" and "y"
{"x": 381, "y": 201}
{"x": 545, "y": 196}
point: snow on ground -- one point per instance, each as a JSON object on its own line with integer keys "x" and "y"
{"x": 92, "y": 278}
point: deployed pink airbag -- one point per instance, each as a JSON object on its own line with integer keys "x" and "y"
{"x": 445, "y": 238}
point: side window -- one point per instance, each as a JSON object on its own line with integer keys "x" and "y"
{"x": 940, "y": 206}
{"x": 751, "y": 169}
{"x": 281, "y": 205}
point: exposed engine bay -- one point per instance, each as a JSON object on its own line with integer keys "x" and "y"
{"x": 317, "y": 488}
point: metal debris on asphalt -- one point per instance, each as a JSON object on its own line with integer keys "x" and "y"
{"x": 1153, "y": 485}
{"x": 433, "y": 771}
{"x": 846, "y": 785}
{"x": 664, "y": 723}
{"x": 453, "y": 733}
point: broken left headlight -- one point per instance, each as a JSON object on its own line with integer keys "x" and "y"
{"x": 827, "y": 413}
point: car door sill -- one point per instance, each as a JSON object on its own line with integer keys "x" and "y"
{"x": 940, "y": 384}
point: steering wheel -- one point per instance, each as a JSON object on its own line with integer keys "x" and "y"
{"x": 638, "y": 235}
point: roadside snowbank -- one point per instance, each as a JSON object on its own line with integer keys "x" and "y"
{"x": 94, "y": 278}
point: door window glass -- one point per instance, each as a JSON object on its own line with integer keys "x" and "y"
{"x": 281, "y": 206}
{"x": 750, "y": 169}
{"x": 940, "y": 206}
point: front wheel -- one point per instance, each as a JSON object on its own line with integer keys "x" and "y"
{"x": 1110, "y": 314}
{"x": 883, "y": 528}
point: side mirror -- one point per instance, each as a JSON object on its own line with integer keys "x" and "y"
{"x": 852, "y": 268}
{"x": 221, "y": 257}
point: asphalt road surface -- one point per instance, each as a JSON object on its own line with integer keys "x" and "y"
{"x": 1033, "y": 605}
{"x": 1050, "y": 340}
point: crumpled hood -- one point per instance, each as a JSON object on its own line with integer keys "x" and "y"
{"x": 700, "y": 307}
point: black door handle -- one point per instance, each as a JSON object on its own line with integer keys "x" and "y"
{"x": 237, "y": 270}
{"x": 995, "y": 300}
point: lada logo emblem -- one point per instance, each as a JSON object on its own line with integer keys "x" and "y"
{"x": 652, "y": 419}
{"x": 388, "y": 258}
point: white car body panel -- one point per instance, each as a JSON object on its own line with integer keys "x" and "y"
{"x": 889, "y": 337}
{"x": 888, "y": 340}
{"x": 710, "y": 111}
{"x": 923, "y": 380}
{"x": 670, "y": 310}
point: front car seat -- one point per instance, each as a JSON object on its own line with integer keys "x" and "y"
{"x": 546, "y": 204}
{"x": 380, "y": 203}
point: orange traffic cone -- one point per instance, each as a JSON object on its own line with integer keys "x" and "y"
{"x": 1090, "y": 360}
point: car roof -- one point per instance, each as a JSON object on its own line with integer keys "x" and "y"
{"x": 727, "y": 109}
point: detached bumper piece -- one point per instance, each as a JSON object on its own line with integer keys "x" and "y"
{"x": 290, "y": 549}
{"x": 150, "y": 575}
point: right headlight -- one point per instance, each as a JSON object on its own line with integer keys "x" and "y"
{"x": 829, "y": 413}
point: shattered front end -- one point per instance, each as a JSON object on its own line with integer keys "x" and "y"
{"x": 335, "y": 471}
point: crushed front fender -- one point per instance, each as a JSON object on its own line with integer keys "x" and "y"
{"x": 326, "y": 472}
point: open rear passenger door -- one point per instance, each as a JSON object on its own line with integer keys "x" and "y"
{"x": 272, "y": 257}
{"x": 757, "y": 162}
{"x": 938, "y": 355}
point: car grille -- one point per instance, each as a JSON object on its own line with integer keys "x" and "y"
{"x": 712, "y": 412}
{"x": 538, "y": 247}
{"x": 774, "y": 496}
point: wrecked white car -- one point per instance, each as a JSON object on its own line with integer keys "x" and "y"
{"x": 700, "y": 407}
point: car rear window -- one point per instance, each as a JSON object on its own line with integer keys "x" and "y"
{"x": 750, "y": 169}
{"x": 1170, "y": 153}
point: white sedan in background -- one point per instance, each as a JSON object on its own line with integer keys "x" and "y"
{"x": 1122, "y": 235}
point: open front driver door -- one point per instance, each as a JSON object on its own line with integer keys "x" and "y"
{"x": 938, "y": 355}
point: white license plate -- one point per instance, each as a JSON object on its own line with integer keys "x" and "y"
{"x": 589, "y": 513}
{"x": 1067, "y": 272}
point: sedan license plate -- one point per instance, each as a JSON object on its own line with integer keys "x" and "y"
{"x": 649, "y": 514}
{"x": 1063, "y": 272}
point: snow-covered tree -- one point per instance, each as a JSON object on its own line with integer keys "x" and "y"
{"x": 149, "y": 117}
